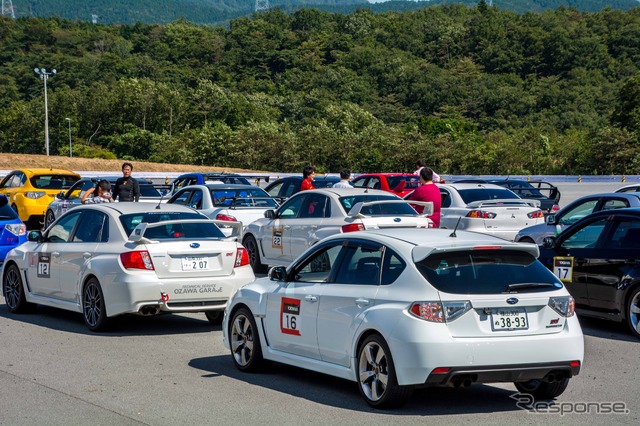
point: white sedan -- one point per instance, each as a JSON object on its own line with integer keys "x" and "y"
{"x": 393, "y": 309}
{"x": 105, "y": 260}
{"x": 309, "y": 216}
{"x": 487, "y": 208}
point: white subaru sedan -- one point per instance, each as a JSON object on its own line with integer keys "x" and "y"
{"x": 104, "y": 260}
{"x": 399, "y": 308}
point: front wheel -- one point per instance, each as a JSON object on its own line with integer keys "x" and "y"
{"x": 543, "y": 390}
{"x": 251, "y": 245}
{"x": 377, "y": 375}
{"x": 13, "y": 291}
{"x": 245, "y": 341}
{"x": 214, "y": 317}
{"x": 49, "y": 218}
{"x": 94, "y": 308}
{"x": 633, "y": 312}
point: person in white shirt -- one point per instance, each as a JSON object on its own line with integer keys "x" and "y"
{"x": 420, "y": 165}
{"x": 345, "y": 175}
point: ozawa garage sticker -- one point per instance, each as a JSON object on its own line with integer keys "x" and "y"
{"x": 290, "y": 316}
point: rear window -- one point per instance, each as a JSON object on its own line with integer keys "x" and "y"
{"x": 7, "y": 213}
{"x": 250, "y": 197}
{"x": 481, "y": 194}
{"x": 402, "y": 209}
{"x": 184, "y": 231}
{"x": 53, "y": 181}
{"x": 412, "y": 182}
{"x": 486, "y": 272}
{"x": 325, "y": 183}
{"x": 130, "y": 221}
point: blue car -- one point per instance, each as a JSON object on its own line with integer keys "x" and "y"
{"x": 215, "y": 177}
{"x": 12, "y": 231}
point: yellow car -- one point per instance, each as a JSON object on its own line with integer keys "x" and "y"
{"x": 31, "y": 190}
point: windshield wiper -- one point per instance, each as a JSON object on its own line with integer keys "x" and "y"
{"x": 521, "y": 286}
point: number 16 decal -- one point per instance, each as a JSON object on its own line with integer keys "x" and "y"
{"x": 290, "y": 316}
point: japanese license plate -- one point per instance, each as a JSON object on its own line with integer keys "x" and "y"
{"x": 509, "y": 319}
{"x": 194, "y": 263}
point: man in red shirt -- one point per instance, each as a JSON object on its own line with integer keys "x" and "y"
{"x": 308, "y": 174}
{"x": 428, "y": 191}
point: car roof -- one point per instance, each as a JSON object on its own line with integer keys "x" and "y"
{"x": 471, "y": 186}
{"x": 387, "y": 174}
{"x": 340, "y": 192}
{"x": 42, "y": 170}
{"x": 151, "y": 207}
{"x": 221, "y": 186}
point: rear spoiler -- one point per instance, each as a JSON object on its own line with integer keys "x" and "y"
{"x": 357, "y": 208}
{"x": 422, "y": 252}
{"x": 478, "y": 204}
{"x": 138, "y": 234}
{"x": 234, "y": 199}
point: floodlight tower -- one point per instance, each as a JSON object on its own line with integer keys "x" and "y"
{"x": 7, "y": 8}
{"x": 44, "y": 76}
{"x": 262, "y": 5}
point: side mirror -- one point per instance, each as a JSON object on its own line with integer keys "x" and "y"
{"x": 549, "y": 242}
{"x": 35, "y": 236}
{"x": 270, "y": 214}
{"x": 60, "y": 195}
{"x": 551, "y": 219}
{"x": 278, "y": 273}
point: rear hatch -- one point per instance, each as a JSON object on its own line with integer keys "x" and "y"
{"x": 507, "y": 215}
{"x": 398, "y": 213}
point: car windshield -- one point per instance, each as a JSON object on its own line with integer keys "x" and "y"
{"x": 184, "y": 231}
{"x": 53, "y": 181}
{"x": 325, "y": 182}
{"x": 487, "y": 272}
{"x": 482, "y": 194}
{"x": 412, "y": 182}
{"x": 249, "y": 197}
{"x": 403, "y": 209}
{"x": 130, "y": 221}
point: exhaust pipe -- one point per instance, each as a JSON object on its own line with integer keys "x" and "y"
{"x": 551, "y": 378}
{"x": 456, "y": 382}
{"x": 148, "y": 310}
{"x": 466, "y": 383}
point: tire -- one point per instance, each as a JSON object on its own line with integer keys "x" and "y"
{"x": 13, "y": 291}
{"x": 378, "y": 383}
{"x": 633, "y": 312}
{"x": 94, "y": 309}
{"x": 254, "y": 254}
{"x": 214, "y": 317}
{"x": 49, "y": 218}
{"x": 244, "y": 340}
{"x": 542, "y": 390}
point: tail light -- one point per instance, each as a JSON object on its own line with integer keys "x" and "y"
{"x": 555, "y": 208}
{"x": 481, "y": 214}
{"x": 17, "y": 229}
{"x": 226, "y": 217}
{"x": 439, "y": 311}
{"x": 564, "y": 305}
{"x": 137, "y": 260}
{"x": 535, "y": 214}
{"x": 242, "y": 257}
{"x": 35, "y": 195}
{"x": 352, "y": 227}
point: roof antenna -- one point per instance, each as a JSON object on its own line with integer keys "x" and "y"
{"x": 453, "y": 234}
{"x": 162, "y": 197}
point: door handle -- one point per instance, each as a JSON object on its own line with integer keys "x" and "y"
{"x": 86, "y": 255}
{"x": 55, "y": 253}
{"x": 310, "y": 298}
{"x": 286, "y": 227}
{"x": 362, "y": 302}
{"x": 581, "y": 261}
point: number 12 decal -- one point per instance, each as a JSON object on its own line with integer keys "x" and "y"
{"x": 290, "y": 316}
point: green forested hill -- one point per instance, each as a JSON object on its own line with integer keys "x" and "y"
{"x": 218, "y": 12}
{"x": 473, "y": 90}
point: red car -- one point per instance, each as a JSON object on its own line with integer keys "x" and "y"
{"x": 400, "y": 184}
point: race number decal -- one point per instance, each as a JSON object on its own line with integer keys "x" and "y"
{"x": 290, "y": 316}
{"x": 276, "y": 238}
{"x": 563, "y": 268}
{"x": 44, "y": 265}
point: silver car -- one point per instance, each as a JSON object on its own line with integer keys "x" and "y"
{"x": 104, "y": 260}
{"x": 582, "y": 207}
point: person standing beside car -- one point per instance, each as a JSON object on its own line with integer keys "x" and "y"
{"x": 126, "y": 187}
{"x": 421, "y": 165}
{"x": 345, "y": 175}
{"x": 101, "y": 193}
{"x": 308, "y": 173}
{"x": 428, "y": 191}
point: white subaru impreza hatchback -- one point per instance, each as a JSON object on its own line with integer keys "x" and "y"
{"x": 394, "y": 309}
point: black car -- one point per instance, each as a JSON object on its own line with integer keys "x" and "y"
{"x": 285, "y": 187}
{"x": 545, "y": 192}
{"x": 598, "y": 258}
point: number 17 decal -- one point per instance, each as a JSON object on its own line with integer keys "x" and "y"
{"x": 290, "y": 316}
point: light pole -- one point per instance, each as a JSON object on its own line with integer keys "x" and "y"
{"x": 70, "y": 152}
{"x": 44, "y": 76}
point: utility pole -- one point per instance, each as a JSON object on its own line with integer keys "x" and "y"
{"x": 7, "y": 8}
{"x": 44, "y": 76}
{"x": 262, "y": 5}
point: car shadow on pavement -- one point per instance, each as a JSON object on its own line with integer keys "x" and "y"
{"x": 124, "y": 325}
{"x": 335, "y": 392}
{"x": 595, "y": 327}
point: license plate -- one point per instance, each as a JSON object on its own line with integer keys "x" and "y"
{"x": 509, "y": 319}
{"x": 194, "y": 263}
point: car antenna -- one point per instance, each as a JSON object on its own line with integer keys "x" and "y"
{"x": 453, "y": 234}
{"x": 161, "y": 198}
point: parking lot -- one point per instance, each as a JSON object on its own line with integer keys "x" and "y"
{"x": 173, "y": 369}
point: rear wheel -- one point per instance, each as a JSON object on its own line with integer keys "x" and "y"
{"x": 214, "y": 317}
{"x": 13, "y": 291}
{"x": 49, "y": 218}
{"x": 251, "y": 245}
{"x": 633, "y": 312}
{"x": 94, "y": 308}
{"x": 543, "y": 390}
{"x": 245, "y": 341}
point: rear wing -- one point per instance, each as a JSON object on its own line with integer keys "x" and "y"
{"x": 422, "y": 252}
{"x": 138, "y": 234}
{"x": 509, "y": 201}
{"x": 355, "y": 211}
{"x": 235, "y": 202}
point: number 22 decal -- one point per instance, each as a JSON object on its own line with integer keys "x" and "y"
{"x": 290, "y": 316}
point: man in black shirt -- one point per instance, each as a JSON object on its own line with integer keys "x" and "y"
{"x": 126, "y": 187}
